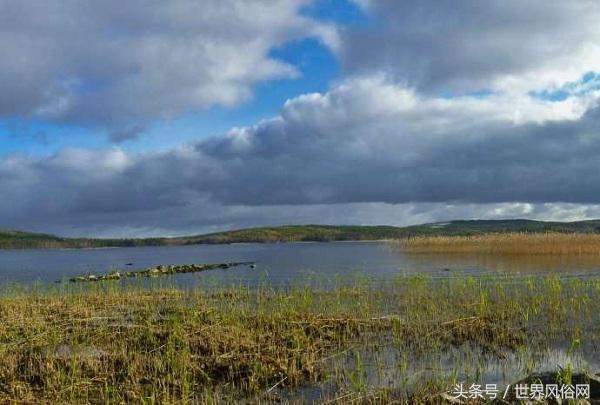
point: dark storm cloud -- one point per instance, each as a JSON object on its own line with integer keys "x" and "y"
{"x": 471, "y": 45}
{"x": 119, "y": 64}
{"x": 337, "y": 148}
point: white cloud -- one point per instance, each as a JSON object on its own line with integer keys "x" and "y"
{"x": 119, "y": 64}
{"x": 509, "y": 46}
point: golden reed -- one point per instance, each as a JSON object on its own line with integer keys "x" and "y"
{"x": 506, "y": 243}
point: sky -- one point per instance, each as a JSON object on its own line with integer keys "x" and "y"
{"x": 154, "y": 118}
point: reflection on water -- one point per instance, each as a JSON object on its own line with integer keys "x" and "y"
{"x": 281, "y": 264}
{"x": 513, "y": 264}
{"x": 384, "y": 366}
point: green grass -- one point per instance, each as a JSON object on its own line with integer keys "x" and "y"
{"x": 106, "y": 343}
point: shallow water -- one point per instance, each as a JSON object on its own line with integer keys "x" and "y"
{"x": 383, "y": 366}
{"x": 280, "y": 264}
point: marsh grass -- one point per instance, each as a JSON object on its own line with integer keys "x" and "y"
{"x": 106, "y": 343}
{"x": 506, "y": 244}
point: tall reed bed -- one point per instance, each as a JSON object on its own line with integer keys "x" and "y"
{"x": 506, "y": 243}
{"x": 111, "y": 344}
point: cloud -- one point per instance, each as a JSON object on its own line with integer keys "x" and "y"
{"x": 122, "y": 135}
{"x": 119, "y": 64}
{"x": 458, "y": 47}
{"x": 367, "y": 144}
{"x": 373, "y": 141}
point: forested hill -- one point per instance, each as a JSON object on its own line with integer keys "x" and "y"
{"x": 18, "y": 239}
{"x": 304, "y": 233}
{"x": 10, "y": 239}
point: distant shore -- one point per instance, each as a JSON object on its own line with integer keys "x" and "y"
{"x": 306, "y": 233}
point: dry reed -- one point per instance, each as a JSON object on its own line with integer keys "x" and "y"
{"x": 506, "y": 243}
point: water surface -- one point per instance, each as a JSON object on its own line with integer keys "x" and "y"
{"x": 280, "y": 264}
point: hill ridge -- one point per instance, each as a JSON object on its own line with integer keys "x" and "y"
{"x": 14, "y": 239}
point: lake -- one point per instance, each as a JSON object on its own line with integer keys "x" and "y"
{"x": 281, "y": 263}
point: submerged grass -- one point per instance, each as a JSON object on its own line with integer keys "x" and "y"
{"x": 506, "y": 243}
{"x": 106, "y": 343}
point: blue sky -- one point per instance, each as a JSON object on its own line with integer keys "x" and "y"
{"x": 315, "y": 62}
{"x": 193, "y": 116}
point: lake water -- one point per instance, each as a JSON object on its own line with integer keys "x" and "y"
{"x": 279, "y": 264}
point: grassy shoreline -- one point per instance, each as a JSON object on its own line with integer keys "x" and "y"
{"x": 108, "y": 343}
